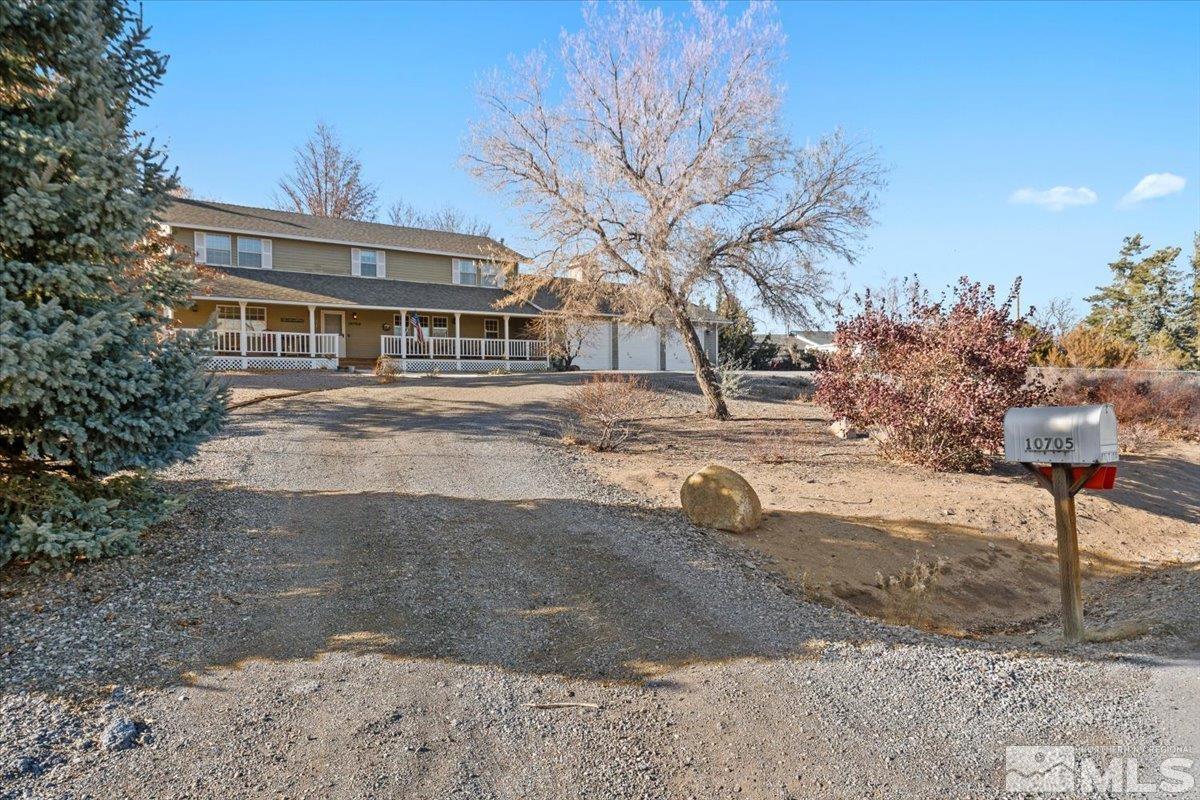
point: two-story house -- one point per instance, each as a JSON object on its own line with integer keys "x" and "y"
{"x": 294, "y": 291}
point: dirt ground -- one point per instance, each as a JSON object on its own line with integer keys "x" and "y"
{"x": 840, "y": 519}
{"x": 416, "y": 590}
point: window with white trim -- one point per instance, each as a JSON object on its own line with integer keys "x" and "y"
{"x": 250, "y": 252}
{"x": 465, "y": 272}
{"x": 441, "y": 326}
{"x": 469, "y": 272}
{"x": 217, "y": 249}
{"x": 491, "y": 329}
{"x": 368, "y": 263}
{"x": 229, "y": 318}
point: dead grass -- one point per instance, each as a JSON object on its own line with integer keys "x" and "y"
{"x": 908, "y": 596}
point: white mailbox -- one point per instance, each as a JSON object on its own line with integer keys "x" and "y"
{"x": 1061, "y": 435}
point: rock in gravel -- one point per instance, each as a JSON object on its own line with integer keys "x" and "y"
{"x": 28, "y": 765}
{"x": 120, "y": 734}
{"x": 717, "y": 497}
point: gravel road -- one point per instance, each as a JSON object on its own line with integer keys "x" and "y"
{"x": 380, "y": 591}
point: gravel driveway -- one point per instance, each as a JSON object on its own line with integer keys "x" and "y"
{"x": 381, "y": 590}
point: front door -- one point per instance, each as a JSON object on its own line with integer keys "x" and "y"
{"x": 334, "y": 322}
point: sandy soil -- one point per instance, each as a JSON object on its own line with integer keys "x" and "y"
{"x": 840, "y": 518}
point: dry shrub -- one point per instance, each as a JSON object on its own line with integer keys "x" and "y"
{"x": 1089, "y": 347}
{"x": 1167, "y": 406}
{"x": 907, "y": 595}
{"x": 935, "y": 377}
{"x": 605, "y": 408}
{"x": 386, "y": 369}
{"x": 777, "y": 447}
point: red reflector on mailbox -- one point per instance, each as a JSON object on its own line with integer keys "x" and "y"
{"x": 1105, "y": 477}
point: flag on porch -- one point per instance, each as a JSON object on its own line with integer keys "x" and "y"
{"x": 415, "y": 322}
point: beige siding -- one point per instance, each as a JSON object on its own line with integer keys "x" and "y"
{"x": 334, "y": 259}
{"x": 419, "y": 267}
{"x": 279, "y": 318}
{"x": 362, "y": 334}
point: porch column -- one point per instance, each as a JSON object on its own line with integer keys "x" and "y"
{"x": 242, "y": 331}
{"x": 312, "y": 331}
{"x": 457, "y": 336}
{"x": 506, "y": 337}
{"x": 546, "y": 344}
{"x": 403, "y": 334}
{"x": 716, "y": 343}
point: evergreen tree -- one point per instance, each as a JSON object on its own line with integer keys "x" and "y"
{"x": 92, "y": 383}
{"x": 737, "y": 338}
{"x": 1193, "y": 332}
{"x": 1146, "y": 302}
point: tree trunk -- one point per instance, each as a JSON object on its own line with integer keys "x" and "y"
{"x": 706, "y": 376}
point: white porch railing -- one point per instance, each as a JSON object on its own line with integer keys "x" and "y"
{"x": 474, "y": 348}
{"x": 277, "y": 343}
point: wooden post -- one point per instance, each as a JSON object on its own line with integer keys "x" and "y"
{"x": 1068, "y": 552}
{"x": 506, "y": 337}
{"x": 458, "y": 337}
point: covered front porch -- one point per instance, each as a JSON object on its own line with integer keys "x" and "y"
{"x": 273, "y": 335}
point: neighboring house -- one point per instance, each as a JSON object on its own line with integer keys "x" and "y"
{"x": 294, "y": 291}
{"x": 804, "y": 341}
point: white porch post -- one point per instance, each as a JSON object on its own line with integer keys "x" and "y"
{"x": 242, "y": 333}
{"x": 312, "y": 331}
{"x": 506, "y": 345}
{"x": 546, "y": 344}
{"x": 717, "y": 342}
{"x": 403, "y": 335}
{"x": 457, "y": 336}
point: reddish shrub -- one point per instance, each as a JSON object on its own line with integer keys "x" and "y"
{"x": 934, "y": 378}
{"x": 1168, "y": 405}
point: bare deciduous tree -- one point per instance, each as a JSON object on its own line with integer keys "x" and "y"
{"x": 327, "y": 180}
{"x": 447, "y": 219}
{"x": 662, "y": 166}
{"x": 1056, "y": 318}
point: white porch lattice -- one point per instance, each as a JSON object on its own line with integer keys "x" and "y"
{"x": 451, "y": 365}
{"x": 219, "y": 363}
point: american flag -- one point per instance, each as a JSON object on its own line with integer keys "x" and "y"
{"x": 415, "y": 322}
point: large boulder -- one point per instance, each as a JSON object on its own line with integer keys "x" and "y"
{"x": 717, "y": 497}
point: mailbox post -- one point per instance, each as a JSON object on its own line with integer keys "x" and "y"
{"x": 1080, "y": 445}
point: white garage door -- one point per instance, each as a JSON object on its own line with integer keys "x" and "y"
{"x": 596, "y": 350}
{"x": 637, "y": 347}
{"x": 677, "y": 354}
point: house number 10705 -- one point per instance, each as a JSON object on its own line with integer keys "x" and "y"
{"x": 1049, "y": 444}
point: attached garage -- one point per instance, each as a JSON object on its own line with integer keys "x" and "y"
{"x": 640, "y": 348}
{"x": 596, "y": 350}
{"x": 637, "y": 348}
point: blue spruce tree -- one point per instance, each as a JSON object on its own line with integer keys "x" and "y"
{"x": 94, "y": 389}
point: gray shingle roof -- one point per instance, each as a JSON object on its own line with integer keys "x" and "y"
{"x": 207, "y": 214}
{"x": 305, "y": 287}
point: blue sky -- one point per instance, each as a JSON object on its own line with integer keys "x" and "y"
{"x": 966, "y": 103}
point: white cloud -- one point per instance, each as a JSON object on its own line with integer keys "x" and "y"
{"x": 1055, "y": 199}
{"x": 1159, "y": 184}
